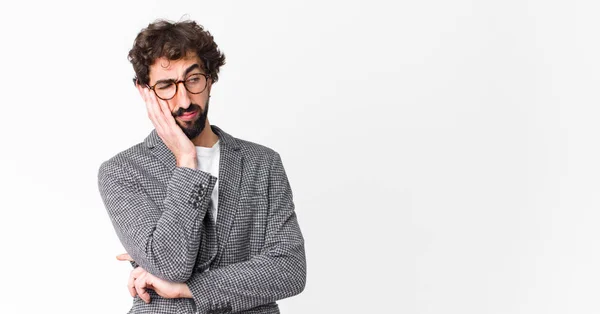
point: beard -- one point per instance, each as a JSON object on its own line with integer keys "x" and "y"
{"x": 193, "y": 128}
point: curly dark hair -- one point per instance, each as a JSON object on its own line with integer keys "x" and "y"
{"x": 174, "y": 40}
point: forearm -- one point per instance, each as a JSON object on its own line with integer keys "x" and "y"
{"x": 172, "y": 247}
{"x": 263, "y": 279}
{"x": 164, "y": 240}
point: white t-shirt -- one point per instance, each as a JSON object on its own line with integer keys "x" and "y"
{"x": 208, "y": 161}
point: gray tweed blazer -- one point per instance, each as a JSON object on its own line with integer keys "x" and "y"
{"x": 254, "y": 253}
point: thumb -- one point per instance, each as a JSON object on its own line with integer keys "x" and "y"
{"x": 124, "y": 257}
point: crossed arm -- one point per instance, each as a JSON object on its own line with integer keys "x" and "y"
{"x": 279, "y": 271}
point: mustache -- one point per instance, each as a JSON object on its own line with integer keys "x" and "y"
{"x": 190, "y": 108}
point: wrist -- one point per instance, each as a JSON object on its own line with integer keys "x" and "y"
{"x": 184, "y": 291}
{"x": 187, "y": 161}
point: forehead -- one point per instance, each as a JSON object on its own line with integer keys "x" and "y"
{"x": 163, "y": 68}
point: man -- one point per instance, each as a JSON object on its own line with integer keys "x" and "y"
{"x": 207, "y": 219}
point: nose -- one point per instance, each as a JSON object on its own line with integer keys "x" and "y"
{"x": 181, "y": 99}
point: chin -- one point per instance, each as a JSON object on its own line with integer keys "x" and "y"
{"x": 192, "y": 132}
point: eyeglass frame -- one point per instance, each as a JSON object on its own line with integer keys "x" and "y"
{"x": 206, "y": 77}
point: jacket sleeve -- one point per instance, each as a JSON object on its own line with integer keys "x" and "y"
{"x": 278, "y": 272}
{"x": 164, "y": 240}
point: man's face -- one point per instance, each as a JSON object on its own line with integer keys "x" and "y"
{"x": 189, "y": 110}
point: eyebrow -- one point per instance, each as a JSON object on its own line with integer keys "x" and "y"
{"x": 187, "y": 71}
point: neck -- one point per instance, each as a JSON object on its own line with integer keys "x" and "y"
{"x": 207, "y": 138}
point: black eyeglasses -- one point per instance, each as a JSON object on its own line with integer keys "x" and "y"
{"x": 166, "y": 90}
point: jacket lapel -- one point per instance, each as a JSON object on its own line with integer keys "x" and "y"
{"x": 230, "y": 175}
{"x": 160, "y": 150}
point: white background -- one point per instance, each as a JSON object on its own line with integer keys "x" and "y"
{"x": 443, "y": 154}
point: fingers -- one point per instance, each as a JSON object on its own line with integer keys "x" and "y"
{"x": 133, "y": 275}
{"x": 152, "y": 108}
{"x": 167, "y": 114}
{"x": 168, "y": 121}
{"x": 160, "y": 110}
{"x": 124, "y": 257}
{"x": 140, "y": 287}
{"x": 161, "y": 105}
{"x": 131, "y": 286}
{"x": 161, "y": 116}
{"x": 165, "y": 124}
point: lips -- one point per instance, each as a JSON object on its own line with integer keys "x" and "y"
{"x": 188, "y": 115}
